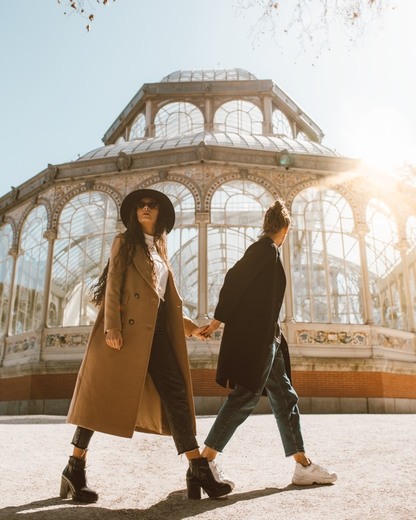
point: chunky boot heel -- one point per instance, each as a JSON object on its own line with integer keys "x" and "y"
{"x": 194, "y": 489}
{"x": 199, "y": 475}
{"x": 74, "y": 482}
{"x": 64, "y": 488}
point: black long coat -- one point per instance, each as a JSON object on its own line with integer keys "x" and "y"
{"x": 249, "y": 305}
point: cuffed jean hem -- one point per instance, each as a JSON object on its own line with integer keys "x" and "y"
{"x": 82, "y": 437}
{"x": 188, "y": 449}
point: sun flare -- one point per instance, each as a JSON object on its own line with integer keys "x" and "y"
{"x": 384, "y": 139}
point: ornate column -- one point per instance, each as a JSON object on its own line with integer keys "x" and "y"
{"x": 267, "y": 115}
{"x": 202, "y": 218}
{"x": 209, "y": 123}
{"x": 14, "y": 253}
{"x": 361, "y": 230}
{"x": 403, "y": 246}
{"x": 50, "y": 235}
{"x": 288, "y": 293}
{"x": 150, "y": 127}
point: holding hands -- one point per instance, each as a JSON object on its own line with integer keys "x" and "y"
{"x": 206, "y": 331}
{"x": 114, "y": 338}
{"x": 209, "y": 329}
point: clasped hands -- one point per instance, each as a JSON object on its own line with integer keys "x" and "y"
{"x": 205, "y": 332}
{"x": 114, "y": 338}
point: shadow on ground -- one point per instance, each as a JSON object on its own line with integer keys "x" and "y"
{"x": 175, "y": 507}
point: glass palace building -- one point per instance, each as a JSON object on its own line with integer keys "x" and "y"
{"x": 223, "y": 145}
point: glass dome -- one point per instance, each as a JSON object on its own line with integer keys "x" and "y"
{"x": 208, "y": 75}
{"x": 266, "y": 143}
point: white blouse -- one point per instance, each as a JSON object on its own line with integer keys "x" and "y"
{"x": 162, "y": 272}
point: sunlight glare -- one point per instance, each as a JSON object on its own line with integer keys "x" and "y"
{"x": 384, "y": 139}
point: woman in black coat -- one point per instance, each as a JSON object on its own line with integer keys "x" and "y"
{"x": 254, "y": 357}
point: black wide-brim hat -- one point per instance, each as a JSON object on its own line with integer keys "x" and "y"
{"x": 166, "y": 209}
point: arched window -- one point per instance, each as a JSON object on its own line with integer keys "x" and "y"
{"x": 237, "y": 210}
{"x": 6, "y": 267}
{"x": 183, "y": 243}
{"x": 85, "y": 232}
{"x": 240, "y": 117}
{"x": 281, "y": 124}
{"x": 178, "y": 119}
{"x": 29, "y": 281}
{"x": 325, "y": 261}
{"x": 138, "y": 127}
{"x": 383, "y": 259}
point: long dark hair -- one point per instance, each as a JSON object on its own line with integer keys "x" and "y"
{"x": 132, "y": 238}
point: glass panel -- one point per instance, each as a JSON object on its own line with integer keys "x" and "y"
{"x": 239, "y": 117}
{"x": 237, "y": 210}
{"x": 325, "y": 261}
{"x": 6, "y": 268}
{"x": 384, "y": 266}
{"x": 138, "y": 127}
{"x": 281, "y": 124}
{"x": 411, "y": 259}
{"x": 85, "y": 233}
{"x": 183, "y": 244}
{"x": 30, "y": 273}
{"x": 302, "y": 136}
{"x": 412, "y": 283}
{"x": 178, "y": 119}
{"x": 411, "y": 232}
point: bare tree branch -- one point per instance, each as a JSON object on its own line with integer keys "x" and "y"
{"x": 315, "y": 22}
{"x": 83, "y": 8}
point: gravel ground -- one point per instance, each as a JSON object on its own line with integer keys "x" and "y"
{"x": 143, "y": 477}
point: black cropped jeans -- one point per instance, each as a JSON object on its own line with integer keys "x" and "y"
{"x": 169, "y": 382}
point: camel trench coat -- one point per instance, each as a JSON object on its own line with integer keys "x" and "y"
{"x": 114, "y": 393}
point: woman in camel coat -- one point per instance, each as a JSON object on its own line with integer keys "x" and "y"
{"x": 135, "y": 374}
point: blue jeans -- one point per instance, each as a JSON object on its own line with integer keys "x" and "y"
{"x": 241, "y": 402}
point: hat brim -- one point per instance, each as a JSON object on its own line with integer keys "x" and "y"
{"x": 165, "y": 205}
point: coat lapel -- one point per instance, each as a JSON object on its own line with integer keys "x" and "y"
{"x": 142, "y": 264}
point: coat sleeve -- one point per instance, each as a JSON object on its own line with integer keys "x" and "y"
{"x": 240, "y": 276}
{"x": 112, "y": 299}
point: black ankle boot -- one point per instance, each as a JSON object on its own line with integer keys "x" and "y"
{"x": 74, "y": 482}
{"x": 199, "y": 476}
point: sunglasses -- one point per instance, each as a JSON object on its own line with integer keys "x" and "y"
{"x": 151, "y": 205}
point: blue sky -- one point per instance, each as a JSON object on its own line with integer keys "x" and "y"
{"x": 61, "y": 87}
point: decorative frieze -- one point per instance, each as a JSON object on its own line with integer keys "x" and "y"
{"x": 66, "y": 340}
{"x": 394, "y": 342}
{"x": 323, "y": 337}
{"x": 23, "y": 345}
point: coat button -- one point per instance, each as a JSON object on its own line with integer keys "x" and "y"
{"x": 137, "y": 295}
{"x": 131, "y": 322}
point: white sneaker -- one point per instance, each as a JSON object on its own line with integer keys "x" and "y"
{"x": 312, "y": 474}
{"x": 219, "y": 474}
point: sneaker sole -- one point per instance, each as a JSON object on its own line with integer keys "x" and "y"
{"x": 310, "y": 482}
